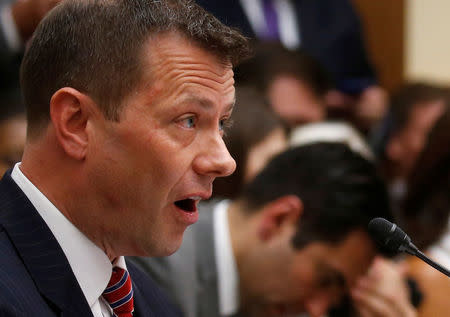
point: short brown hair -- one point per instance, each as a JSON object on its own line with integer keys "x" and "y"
{"x": 271, "y": 60}
{"x": 95, "y": 46}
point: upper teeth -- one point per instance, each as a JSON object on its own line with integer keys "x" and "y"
{"x": 195, "y": 198}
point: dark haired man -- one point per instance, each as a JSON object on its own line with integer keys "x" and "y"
{"x": 126, "y": 102}
{"x": 295, "y": 241}
{"x": 294, "y": 82}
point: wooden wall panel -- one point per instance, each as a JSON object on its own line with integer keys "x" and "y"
{"x": 384, "y": 22}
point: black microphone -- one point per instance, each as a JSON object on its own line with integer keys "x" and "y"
{"x": 390, "y": 237}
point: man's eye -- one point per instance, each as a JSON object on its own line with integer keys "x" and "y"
{"x": 188, "y": 122}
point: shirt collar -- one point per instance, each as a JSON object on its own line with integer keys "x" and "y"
{"x": 228, "y": 279}
{"x": 90, "y": 265}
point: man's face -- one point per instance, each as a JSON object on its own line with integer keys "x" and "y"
{"x": 310, "y": 280}
{"x": 153, "y": 166}
{"x": 294, "y": 101}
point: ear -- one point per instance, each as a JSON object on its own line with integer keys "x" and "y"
{"x": 278, "y": 214}
{"x": 70, "y": 111}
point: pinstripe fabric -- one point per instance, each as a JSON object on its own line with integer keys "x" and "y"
{"x": 35, "y": 276}
{"x": 41, "y": 280}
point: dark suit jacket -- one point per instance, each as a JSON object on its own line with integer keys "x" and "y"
{"x": 35, "y": 276}
{"x": 330, "y": 31}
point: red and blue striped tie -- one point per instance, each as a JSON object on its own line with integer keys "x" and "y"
{"x": 119, "y": 293}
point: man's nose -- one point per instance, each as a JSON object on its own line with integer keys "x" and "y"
{"x": 214, "y": 159}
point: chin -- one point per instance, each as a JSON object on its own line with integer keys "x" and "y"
{"x": 166, "y": 249}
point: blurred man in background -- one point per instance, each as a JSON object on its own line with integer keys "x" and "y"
{"x": 294, "y": 241}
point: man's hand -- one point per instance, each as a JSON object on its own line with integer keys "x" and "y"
{"x": 28, "y": 13}
{"x": 383, "y": 292}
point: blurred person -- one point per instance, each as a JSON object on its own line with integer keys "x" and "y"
{"x": 12, "y": 128}
{"x": 18, "y": 19}
{"x": 332, "y": 131}
{"x": 328, "y": 30}
{"x": 294, "y": 241}
{"x": 426, "y": 211}
{"x": 387, "y": 281}
{"x": 121, "y": 145}
{"x": 294, "y": 83}
{"x": 12, "y": 141}
{"x": 383, "y": 291}
{"x": 257, "y": 134}
{"x": 427, "y": 204}
{"x": 415, "y": 108}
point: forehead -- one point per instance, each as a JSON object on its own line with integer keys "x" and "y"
{"x": 354, "y": 255}
{"x": 349, "y": 258}
{"x": 171, "y": 57}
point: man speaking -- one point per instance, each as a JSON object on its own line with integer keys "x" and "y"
{"x": 126, "y": 104}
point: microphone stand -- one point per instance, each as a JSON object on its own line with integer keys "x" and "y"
{"x": 437, "y": 266}
{"x": 410, "y": 248}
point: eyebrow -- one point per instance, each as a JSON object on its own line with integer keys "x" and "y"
{"x": 206, "y": 103}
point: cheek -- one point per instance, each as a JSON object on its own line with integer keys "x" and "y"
{"x": 149, "y": 153}
{"x": 304, "y": 275}
{"x": 291, "y": 285}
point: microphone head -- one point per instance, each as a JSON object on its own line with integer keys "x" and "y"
{"x": 387, "y": 235}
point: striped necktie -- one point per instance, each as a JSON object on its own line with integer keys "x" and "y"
{"x": 119, "y": 293}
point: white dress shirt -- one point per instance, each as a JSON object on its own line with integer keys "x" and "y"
{"x": 90, "y": 265}
{"x": 227, "y": 274}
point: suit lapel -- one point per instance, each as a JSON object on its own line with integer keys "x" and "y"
{"x": 139, "y": 309}
{"x": 40, "y": 252}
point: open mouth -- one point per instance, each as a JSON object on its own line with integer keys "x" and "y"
{"x": 187, "y": 205}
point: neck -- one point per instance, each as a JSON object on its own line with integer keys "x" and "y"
{"x": 61, "y": 181}
{"x": 242, "y": 231}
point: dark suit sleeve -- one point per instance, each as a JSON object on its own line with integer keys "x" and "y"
{"x": 331, "y": 32}
{"x": 16, "y": 289}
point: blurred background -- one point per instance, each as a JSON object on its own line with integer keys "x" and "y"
{"x": 381, "y": 69}
{"x": 405, "y": 39}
